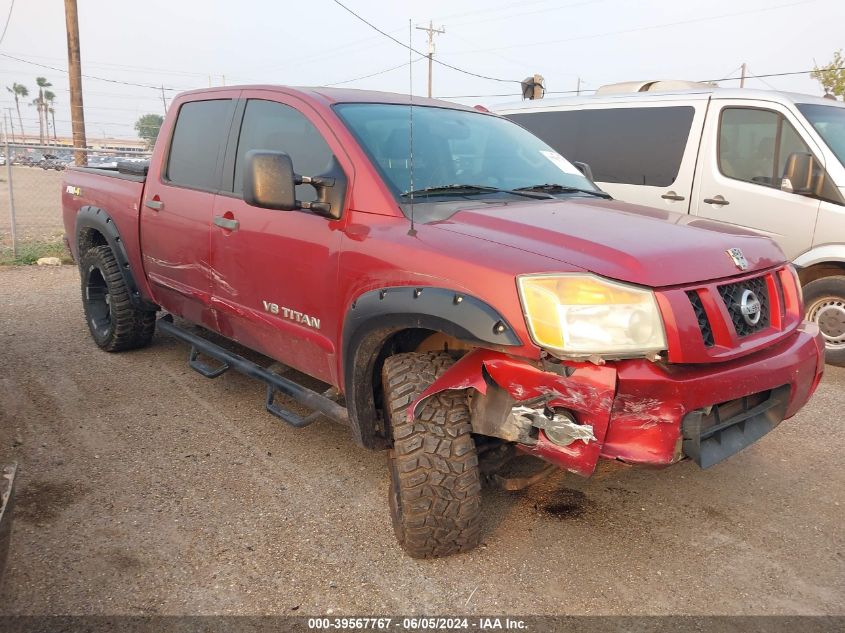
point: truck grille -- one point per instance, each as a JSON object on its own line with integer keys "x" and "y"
{"x": 740, "y": 299}
{"x": 701, "y": 316}
{"x": 727, "y": 318}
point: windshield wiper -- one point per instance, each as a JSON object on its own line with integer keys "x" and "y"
{"x": 445, "y": 190}
{"x": 554, "y": 188}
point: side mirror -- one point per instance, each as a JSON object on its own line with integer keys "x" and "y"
{"x": 584, "y": 168}
{"x": 269, "y": 181}
{"x": 798, "y": 174}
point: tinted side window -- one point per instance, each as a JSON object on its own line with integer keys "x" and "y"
{"x": 634, "y": 146}
{"x": 277, "y": 127}
{"x": 201, "y": 130}
{"x": 754, "y": 145}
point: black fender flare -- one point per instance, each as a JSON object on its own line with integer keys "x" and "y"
{"x": 378, "y": 314}
{"x": 91, "y": 217}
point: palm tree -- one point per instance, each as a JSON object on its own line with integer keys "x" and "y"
{"x": 37, "y": 103}
{"x": 41, "y": 104}
{"x": 49, "y": 98}
{"x": 20, "y": 91}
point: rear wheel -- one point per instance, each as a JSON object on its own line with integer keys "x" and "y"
{"x": 435, "y": 487}
{"x": 825, "y": 305}
{"x": 115, "y": 324}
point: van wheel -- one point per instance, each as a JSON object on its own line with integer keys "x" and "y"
{"x": 115, "y": 324}
{"x": 435, "y": 487}
{"x": 825, "y": 305}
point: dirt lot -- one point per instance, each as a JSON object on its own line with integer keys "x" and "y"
{"x": 146, "y": 488}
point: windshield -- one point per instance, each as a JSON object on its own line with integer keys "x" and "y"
{"x": 456, "y": 147}
{"x": 829, "y": 122}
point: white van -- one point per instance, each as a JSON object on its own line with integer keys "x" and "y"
{"x": 771, "y": 161}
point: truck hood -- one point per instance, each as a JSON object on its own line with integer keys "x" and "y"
{"x": 632, "y": 243}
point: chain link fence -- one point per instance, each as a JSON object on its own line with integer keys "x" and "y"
{"x": 30, "y": 197}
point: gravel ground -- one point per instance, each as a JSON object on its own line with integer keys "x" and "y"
{"x": 147, "y": 489}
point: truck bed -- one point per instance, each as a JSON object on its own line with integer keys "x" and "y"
{"x": 117, "y": 194}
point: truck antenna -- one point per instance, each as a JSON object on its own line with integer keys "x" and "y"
{"x": 412, "y": 231}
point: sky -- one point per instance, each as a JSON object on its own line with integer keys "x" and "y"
{"x": 185, "y": 44}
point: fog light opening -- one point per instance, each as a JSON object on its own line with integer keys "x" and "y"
{"x": 562, "y": 429}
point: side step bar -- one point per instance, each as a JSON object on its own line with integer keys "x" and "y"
{"x": 319, "y": 403}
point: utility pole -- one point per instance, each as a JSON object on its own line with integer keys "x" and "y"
{"x": 742, "y": 76}
{"x": 578, "y": 88}
{"x": 77, "y": 113}
{"x": 431, "y": 33}
{"x": 163, "y": 100}
{"x": 11, "y": 124}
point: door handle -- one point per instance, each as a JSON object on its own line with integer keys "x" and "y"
{"x": 671, "y": 195}
{"x": 718, "y": 200}
{"x": 226, "y": 223}
{"x": 155, "y": 205}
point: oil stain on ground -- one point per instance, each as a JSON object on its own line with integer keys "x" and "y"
{"x": 40, "y": 501}
{"x": 565, "y": 503}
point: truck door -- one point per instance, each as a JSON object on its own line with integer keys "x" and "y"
{"x": 275, "y": 272}
{"x": 744, "y": 151}
{"x": 177, "y": 208}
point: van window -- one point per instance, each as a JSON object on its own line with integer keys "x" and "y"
{"x": 280, "y": 128}
{"x": 754, "y": 145}
{"x": 632, "y": 146}
{"x": 829, "y": 122}
{"x": 200, "y": 133}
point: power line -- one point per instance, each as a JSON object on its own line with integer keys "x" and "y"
{"x": 794, "y": 72}
{"x": 637, "y": 29}
{"x": 751, "y": 74}
{"x": 493, "y": 9}
{"x": 113, "y": 81}
{"x": 146, "y": 70}
{"x": 412, "y": 49}
{"x": 8, "y": 19}
{"x": 521, "y": 14}
{"x": 381, "y": 72}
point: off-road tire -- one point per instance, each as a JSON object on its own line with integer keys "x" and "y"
{"x": 825, "y": 299}
{"x": 435, "y": 486}
{"x": 115, "y": 324}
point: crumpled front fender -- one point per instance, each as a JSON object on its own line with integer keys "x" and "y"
{"x": 586, "y": 389}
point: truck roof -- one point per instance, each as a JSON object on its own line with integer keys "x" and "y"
{"x": 330, "y": 95}
{"x": 785, "y": 98}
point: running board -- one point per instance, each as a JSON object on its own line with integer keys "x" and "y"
{"x": 320, "y": 404}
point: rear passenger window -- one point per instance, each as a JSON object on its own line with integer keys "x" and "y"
{"x": 274, "y": 126}
{"x": 632, "y": 146}
{"x": 755, "y": 144}
{"x": 201, "y": 130}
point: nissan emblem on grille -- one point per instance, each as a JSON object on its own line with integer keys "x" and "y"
{"x": 739, "y": 259}
{"x": 750, "y": 307}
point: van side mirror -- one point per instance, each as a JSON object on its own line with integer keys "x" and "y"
{"x": 269, "y": 181}
{"x": 584, "y": 168}
{"x": 798, "y": 174}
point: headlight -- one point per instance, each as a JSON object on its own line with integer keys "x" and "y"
{"x": 584, "y": 315}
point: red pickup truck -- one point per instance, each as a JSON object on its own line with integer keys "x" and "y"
{"x": 462, "y": 290}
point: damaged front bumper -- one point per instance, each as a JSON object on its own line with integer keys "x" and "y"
{"x": 636, "y": 411}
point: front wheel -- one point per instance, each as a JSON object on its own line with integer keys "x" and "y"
{"x": 825, "y": 305}
{"x": 115, "y": 324}
{"x": 435, "y": 487}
